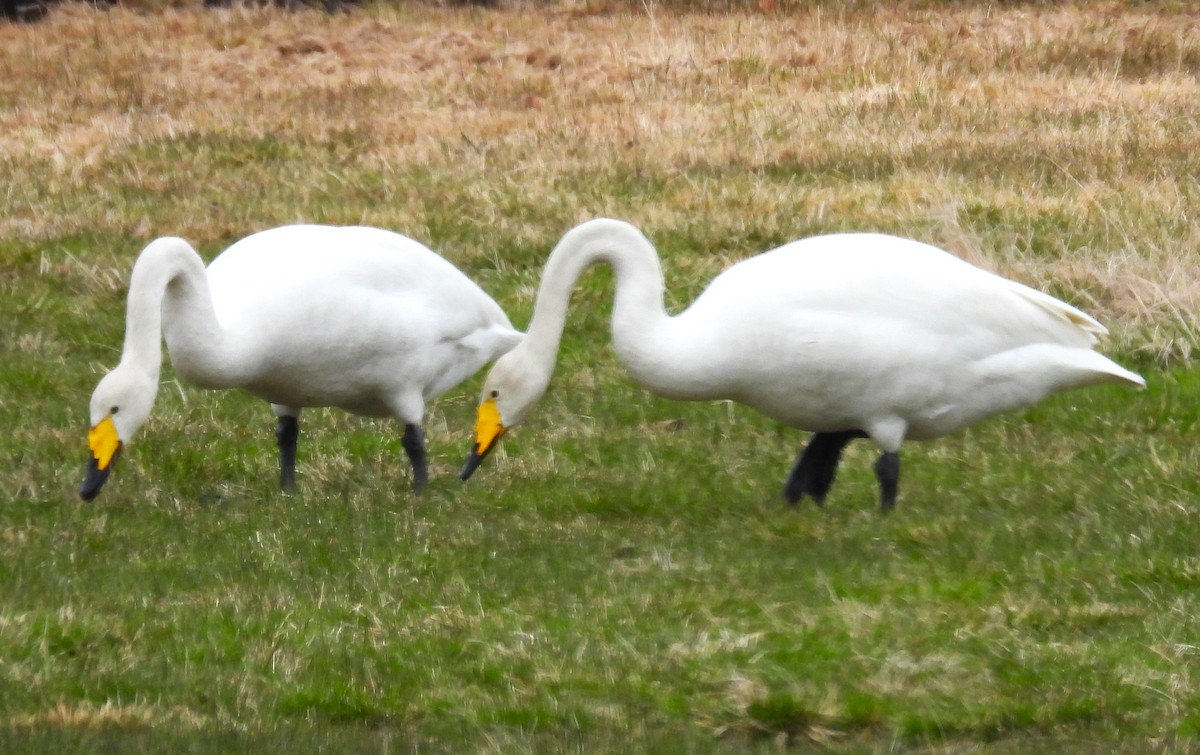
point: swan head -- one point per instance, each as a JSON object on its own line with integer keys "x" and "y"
{"x": 120, "y": 405}
{"x": 510, "y": 391}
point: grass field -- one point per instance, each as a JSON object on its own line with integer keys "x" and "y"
{"x": 622, "y": 575}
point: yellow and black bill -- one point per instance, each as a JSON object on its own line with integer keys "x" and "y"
{"x": 488, "y": 430}
{"x": 105, "y": 445}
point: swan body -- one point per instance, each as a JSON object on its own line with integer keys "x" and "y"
{"x": 845, "y": 335}
{"x": 301, "y": 316}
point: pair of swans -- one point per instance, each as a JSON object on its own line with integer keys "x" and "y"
{"x": 847, "y": 336}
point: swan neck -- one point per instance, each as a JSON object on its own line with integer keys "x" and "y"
{"x": 169, "y": 298}
{"x": 638, "y": 304}
{"x": 143, "y": 312}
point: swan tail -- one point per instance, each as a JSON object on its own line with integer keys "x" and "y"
{"x": 1092, "y": 367}
{"x": 1055, "y": 368}
{"x": 1063, "y": 311}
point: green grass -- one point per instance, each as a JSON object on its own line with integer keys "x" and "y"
{"x": 622, "y": 575}
{"x": 609, "y": 578}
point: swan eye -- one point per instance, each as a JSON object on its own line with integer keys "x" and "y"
{"x": 114, "y": 410}
{"x": 495, "y": 394}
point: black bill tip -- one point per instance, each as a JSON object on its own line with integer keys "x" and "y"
{"x": 94, "y": 479}
{"x": 472, "y": 463}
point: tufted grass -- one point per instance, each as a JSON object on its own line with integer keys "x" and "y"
{"x": 622, "y": 574}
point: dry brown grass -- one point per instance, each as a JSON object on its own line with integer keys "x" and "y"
{"x": 986, "y": 129}
{"x": 108, "y": 715}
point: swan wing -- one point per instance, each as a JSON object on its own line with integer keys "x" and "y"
{"x": 322, "y": 276}
{"x": 1060, "y": 309}
{"x": 329, "y": 315}
{"x": 863, "y": 280}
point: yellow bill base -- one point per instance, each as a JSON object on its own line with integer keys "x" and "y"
{"x": 104, "y": 442}
{"x": 488, "y": 427}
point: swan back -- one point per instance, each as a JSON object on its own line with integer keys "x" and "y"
{"x": 838, "y": 331}
{"x": 317, "y": 271}
{"x": 348, "y": 316}
{"x": 879, "y": 277}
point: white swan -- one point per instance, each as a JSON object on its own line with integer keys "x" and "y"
{"x": 847, "y": 335}
{"x": 302, "y": 316}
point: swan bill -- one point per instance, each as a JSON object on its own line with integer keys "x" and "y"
{"x": 479, "y": 452}
{"x": 472, "y": 463}
{"x": 105, "y": 445}
{"x": 95, "y": 477}
{"x": 488, "y": 430}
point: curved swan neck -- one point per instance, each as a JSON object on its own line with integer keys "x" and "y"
{"x": 638, "y": 305}
{"x": 169, "y": 298}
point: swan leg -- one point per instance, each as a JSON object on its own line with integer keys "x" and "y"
{"x": 414, "y": 445}
{"x": 286, "y": 432}
{"x": 887, "y": 470}
{"x": 817, "y": 466}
